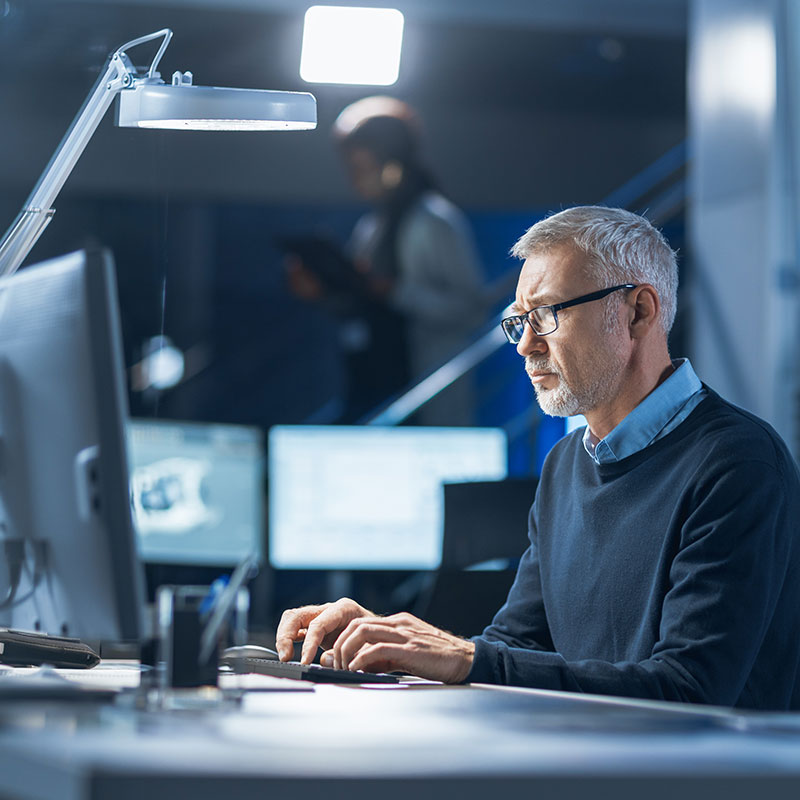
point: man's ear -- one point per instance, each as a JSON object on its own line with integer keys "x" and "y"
{"x": 646, "y": 307}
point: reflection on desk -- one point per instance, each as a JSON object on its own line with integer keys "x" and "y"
{"x": 115, "y": 677}
{"x": 382, "y": 743}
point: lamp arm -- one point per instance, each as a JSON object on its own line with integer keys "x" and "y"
{"x": 37, "y": 212}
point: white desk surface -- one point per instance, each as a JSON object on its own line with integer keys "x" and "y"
{"x": 409, "y": 742}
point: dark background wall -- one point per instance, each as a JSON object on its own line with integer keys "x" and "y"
{"x": 517, "y": 114}
{"x": 523, "y": 113}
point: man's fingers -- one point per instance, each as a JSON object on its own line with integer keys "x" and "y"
{"x": 329, "y": 623}
{"x": 315, "y": 626}
{"x": 318, "y": 629}
{"x": 293, "y": 627}
{"x": 379, "y": 657}
{"x": 358, "y": 634}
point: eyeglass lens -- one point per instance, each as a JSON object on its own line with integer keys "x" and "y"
{"x": 542, "y": 320}
{"x": 513, "y": 328}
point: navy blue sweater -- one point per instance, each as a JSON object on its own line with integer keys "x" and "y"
{"x": 673, "y": 574}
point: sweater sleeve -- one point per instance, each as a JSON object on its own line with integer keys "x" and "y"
{"x": 725, "y": 580}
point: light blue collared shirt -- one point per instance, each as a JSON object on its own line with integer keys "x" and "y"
{"x": 657, "y": 415}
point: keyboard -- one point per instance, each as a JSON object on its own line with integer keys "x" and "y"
{"x": 308, "y": 672}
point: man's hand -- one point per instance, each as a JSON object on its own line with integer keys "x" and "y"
{"x": 315, "y": 626}
{"x": 356, "y": 639}
{"x": 401, "y": 642}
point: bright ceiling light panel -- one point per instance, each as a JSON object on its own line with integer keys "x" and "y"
{"x": 351, "y": 45}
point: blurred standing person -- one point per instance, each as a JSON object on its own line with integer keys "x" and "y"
{"x": 415, "y": 247}
{"x": 415, "y": 253}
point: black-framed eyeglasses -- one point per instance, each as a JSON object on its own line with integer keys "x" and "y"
{"x": 544, "y": 319}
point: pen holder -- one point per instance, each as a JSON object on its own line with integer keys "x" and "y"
{"x": 188, "y": 657}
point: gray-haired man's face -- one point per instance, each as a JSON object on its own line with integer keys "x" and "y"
{"x": 578, "y": 368}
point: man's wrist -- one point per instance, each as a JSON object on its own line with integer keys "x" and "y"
{"x": 467, "y": 655}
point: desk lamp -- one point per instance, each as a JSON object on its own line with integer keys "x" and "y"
{"x": 146, "y": 101}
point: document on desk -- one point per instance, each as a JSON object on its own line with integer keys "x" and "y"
{"x": 105, "y": 676}
{"x": 108, "y": 676}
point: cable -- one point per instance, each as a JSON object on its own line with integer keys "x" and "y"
{"x": 15, "y": 558}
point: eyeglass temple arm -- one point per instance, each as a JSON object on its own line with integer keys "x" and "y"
{"x": 587, "y": 298}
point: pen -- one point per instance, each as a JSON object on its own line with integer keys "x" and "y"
{"x": 223, "y": 605}
{"x": 211, "y": 599}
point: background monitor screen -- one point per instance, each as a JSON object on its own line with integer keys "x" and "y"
{"x": 367, "y": 497}
{"x": 197, "y": 491}
{"x": 69, "y": 562}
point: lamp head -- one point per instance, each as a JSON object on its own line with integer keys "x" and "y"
{"x": 151, "y": 103}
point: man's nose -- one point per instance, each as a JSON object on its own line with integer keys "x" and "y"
{"x": 531, "y": 343}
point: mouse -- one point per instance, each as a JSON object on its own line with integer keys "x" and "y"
{"x": 248, "y": 651}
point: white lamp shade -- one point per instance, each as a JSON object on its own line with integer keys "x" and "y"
{"x": 160, "y": 105}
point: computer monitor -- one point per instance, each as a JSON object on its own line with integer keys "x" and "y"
{"x": 364, "y": 497}
{"x": 70, "y": 556}
{"x": 198, "y": 492}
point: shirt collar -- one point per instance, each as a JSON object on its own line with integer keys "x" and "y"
{"x": 644, "y": 424}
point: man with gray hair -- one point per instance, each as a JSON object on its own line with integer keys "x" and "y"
{"x": 664, "y": 560}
